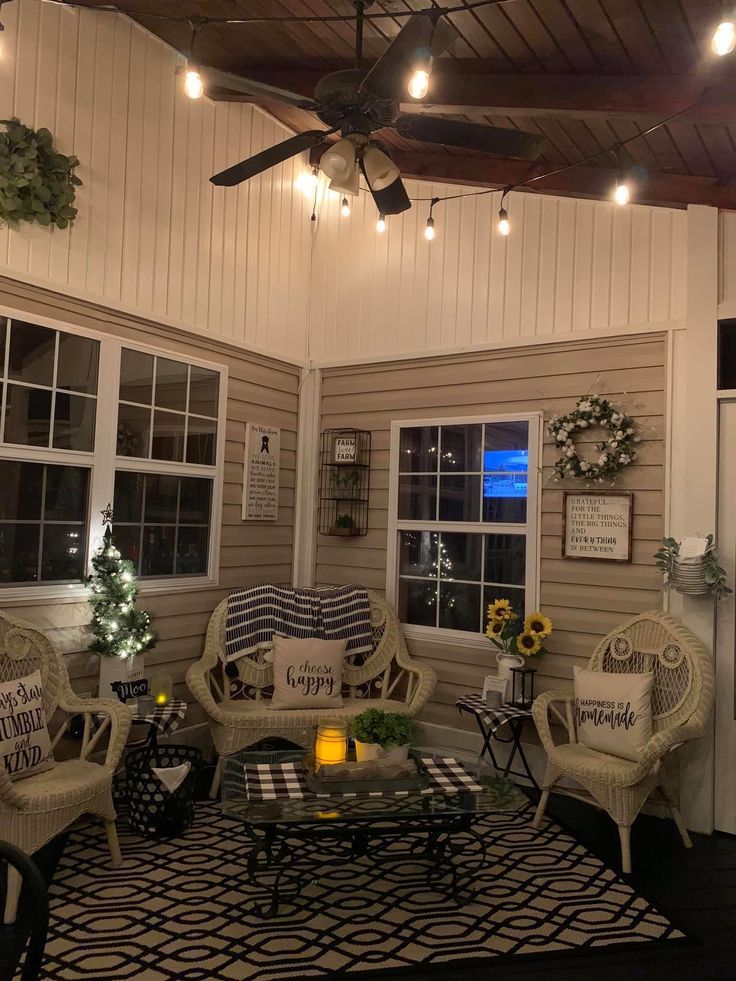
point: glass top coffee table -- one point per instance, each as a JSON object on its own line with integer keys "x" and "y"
{"x": 293, "y": 834}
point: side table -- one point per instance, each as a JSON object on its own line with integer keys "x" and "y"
{"x": 490, "y": 721}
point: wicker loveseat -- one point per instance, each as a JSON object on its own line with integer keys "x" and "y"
{"x": 235, "y": 698}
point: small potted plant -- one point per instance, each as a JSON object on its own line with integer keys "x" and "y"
{"x": 382, "y": 735}
{"x": 344, "y": 525}
{"x": 345, "y": 483}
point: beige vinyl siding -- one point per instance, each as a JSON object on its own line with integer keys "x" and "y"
{"x": 585, "y": 598}
{"x": 259, "y": 390}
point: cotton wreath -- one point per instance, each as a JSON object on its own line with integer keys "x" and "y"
{"x": 616, "y": 452}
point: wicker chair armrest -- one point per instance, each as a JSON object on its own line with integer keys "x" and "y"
{"x": 8, "y": 795}
{"x": 426, "y": 680}
{"x": 120, "y": 716}
{"x": 664, "y": 742}
{"x": 198, "y": 685}
{"x": 548, "y": 702}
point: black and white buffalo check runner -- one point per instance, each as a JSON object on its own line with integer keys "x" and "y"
{"x": 272, "y": 781}
{"x": 492, "y": 718}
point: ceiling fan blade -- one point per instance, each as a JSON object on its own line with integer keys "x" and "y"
{"x": 226, "y": 80}
{"x": 388, "y": 77}
{"x": 268, "y": 158}
{"x": 470, "y": 136}
{"x": 391, "y": 200}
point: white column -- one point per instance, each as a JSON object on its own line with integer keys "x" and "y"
{"x": 692, "y": 487}
{"x": 307, "y": 457}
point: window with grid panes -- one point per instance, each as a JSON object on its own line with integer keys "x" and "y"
{"x": 60, "y": 450}
{"x": 464, "y": 516}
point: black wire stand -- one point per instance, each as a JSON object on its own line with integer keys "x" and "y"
{"x": 344, "y": 482}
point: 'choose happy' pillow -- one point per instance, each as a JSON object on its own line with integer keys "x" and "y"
{"x": 307, "y": 673}
{"x": 614, "y": 711}
{"x": 25, "y": 746}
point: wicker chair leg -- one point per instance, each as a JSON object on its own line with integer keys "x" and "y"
{"x": 677, "y": 817}
{"x": 215, "y": 786}
{"x": 11, "y": 896}
{"x": 116, "y": 859}
{"x": 624, "y": 833}
{"x": 541, "y": 808}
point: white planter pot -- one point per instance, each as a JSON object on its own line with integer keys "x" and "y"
{"x": 374, "y": 751}
{"x": 505, "y": 663}
{"x": 114, "y": 669}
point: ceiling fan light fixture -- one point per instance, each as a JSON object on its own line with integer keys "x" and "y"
{"x": 350, "y": 184}
{"x": 380, "y": 170}
{"x": 338, "y": 160}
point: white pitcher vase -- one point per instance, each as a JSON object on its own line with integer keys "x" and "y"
{"x": 505, "y": 663}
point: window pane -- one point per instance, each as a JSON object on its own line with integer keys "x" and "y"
{"x": 62, "y": 554}
{"x": 418, "y": 553}
{"x": 505, "y": 436}
{"x": 27, "y": 416}
{"x": 460, "y": 556}
{"x": 74, "y": 422}
{"x": 128, "y": 501}
{"x": 201, "y": 437}
{"x": 726, "y": 354}
{"x": 3, "y": 343}
{"x": 171, "y": 384}
{"x": 66, "y": 494}
{"x": 128, "y": 541}
{"x": 418, "y": 498}
{"x": 32, "y": 353}
{"x": 509, "y": 510}
{"x": 19, "y": 553}
{"x": 515, "y": 597}
{"x": 460, "y": 448}
{"x": 168, "y": 436}
{"x": 158, "y": 551}
{"x": 20, "y": 490}
{"x": 194, "y": 503}
{"x": 134, "y": 427}
{"x": 460, "y": 498}
{"x": 161, "y": 498}
{"x": 78, "y": 359}
{"x": 204, "y": 388}
{"x": 136, "y": 377}
{"x": 505, "y": 559}
{"x": 418, "y": 602}
{"x": 191, "y": 552}
{"x": 418, "y": 450}
{"x": 460, "y": 606}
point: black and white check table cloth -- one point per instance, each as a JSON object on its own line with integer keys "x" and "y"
{"x": 164, "y": 719}
{"x": 277, "y": 781}
{"x": 490, "y": 722}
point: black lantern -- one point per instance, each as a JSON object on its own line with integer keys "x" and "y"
{"x": 523, "y": 686}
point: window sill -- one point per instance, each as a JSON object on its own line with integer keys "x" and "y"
{"x": 441, "y": 637}
{"x": 80, "y": 593}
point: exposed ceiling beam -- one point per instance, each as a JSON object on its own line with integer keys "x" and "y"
{"x": 672, "y": 190}
{"x": 458, "y": 92}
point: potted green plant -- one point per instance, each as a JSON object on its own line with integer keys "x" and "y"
{"x": 345, "y": 482}
{"x": 344, "y": 525}
{"x": 378, "y": 734}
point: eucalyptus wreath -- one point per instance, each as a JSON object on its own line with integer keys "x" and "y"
{"x": 615, "y": 452}
{"x": 37, "y": 183}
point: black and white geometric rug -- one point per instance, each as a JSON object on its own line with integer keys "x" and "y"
{"x": 184, "y": 911}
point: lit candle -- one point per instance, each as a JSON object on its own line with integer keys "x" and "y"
{"x": 161, "y": 687}
{"x": 332, "y": 743}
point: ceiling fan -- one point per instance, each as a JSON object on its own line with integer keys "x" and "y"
{"x": 356, "y": 103}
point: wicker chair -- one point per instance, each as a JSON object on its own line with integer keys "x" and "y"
{"x": 235, "y": 698}
{"x": 35, "y": 809}
{"x": 682, "y": 697}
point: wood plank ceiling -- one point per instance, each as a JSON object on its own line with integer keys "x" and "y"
{"x": 584, "y": 73}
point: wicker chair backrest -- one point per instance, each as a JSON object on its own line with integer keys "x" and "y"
{"x": 23, "y": 650}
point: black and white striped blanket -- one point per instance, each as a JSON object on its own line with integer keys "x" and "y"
{"x": 255, "y": 614}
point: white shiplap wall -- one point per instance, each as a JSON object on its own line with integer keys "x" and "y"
{"x": 153, "y": 235}
{"x": 569, "y": 268}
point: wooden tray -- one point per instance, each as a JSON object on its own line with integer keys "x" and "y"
{"x": 370, "y": 784}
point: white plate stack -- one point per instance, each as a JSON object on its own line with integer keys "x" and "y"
{"x": 688, "y": 576}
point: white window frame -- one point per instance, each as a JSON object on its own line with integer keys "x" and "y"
{"x": 530, "y": 529}
{"x": 103, "y": 462}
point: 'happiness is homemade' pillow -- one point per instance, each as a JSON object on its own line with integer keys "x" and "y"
{"x": 614, "y": 711}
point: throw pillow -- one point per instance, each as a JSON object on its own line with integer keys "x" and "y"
{"x": 307, "y": 673}
{"x": 614, "y": 711}
{"x": 25, "y": 746}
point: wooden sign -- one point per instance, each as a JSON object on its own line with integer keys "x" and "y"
{"x": 261, "y": 475}
{"x": 346, "y": 449}
{"x": 597, "y": 526}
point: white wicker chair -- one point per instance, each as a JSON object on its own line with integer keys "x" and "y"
{"x": 388, "y": 679}
{"x": 682, "y": 697}
{"x": 35, "y": 809}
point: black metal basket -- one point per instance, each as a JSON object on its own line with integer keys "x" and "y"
{"x": 152, "y": 810}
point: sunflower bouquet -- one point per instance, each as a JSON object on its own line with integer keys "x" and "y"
{"x": 510, "y": 636}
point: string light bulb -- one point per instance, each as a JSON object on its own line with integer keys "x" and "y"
{"x": 193, "y": 84}
{"x": 621, "y": 193}
{"x": 504, "y": 225}
{"x": 724, "y": 38}
{"x": 345, "y": 208}
{"x": 381, "y": 224}
{"x": 419, "y": 83}
{"x": 429, "y": 230}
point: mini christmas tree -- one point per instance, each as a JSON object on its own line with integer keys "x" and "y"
{"x": 120, "y": 629}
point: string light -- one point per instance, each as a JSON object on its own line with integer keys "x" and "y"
{"x": 621, "y": 193}
{"x": 307, "y": 182}
{"x": 429, "y": 230}
{"x": 724, "y": 38}
{"x": 419, "y": 83}
{"x": 345, "y": 208}
{"x": 504, "y": 225}
{"x": 381, "y": 224}
{"x": 193, "y": 84}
